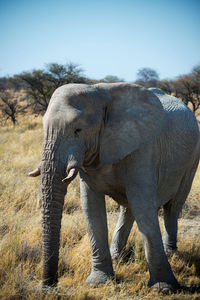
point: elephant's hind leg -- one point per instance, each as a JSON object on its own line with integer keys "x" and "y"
{"x": 147, "y": 220}
{"x": 122, "y": 231}
{"x": 170, "y": 228}
{"x": 173, "y": 208}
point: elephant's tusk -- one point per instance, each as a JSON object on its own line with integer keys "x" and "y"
{"x": 71, "y": 175}
{"x": 34, "y": 173}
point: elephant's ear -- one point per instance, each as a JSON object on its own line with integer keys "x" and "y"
{"x": 134, "y": 116}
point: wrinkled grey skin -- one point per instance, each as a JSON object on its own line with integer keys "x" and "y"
{"x": 141, "y": 147}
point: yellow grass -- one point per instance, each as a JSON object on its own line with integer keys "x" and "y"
{"x": 20, "y": 234}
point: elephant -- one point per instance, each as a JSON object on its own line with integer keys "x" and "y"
{"x": 139, "y": 146}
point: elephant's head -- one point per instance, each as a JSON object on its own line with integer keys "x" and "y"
{"x": 83, "y": 123}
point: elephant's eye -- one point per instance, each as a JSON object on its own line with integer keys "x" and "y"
{"x": 77, "y": 131}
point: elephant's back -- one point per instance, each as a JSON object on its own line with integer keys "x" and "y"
{"x": 181, "y": 125}
{"x": 178, "y": 146}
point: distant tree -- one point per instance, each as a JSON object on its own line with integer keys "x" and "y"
{"x": 4, "y": 82}
{"x": 37, "y": 87}
{"x": 167, "y": 86}
{"x": 62, "y": 74}
{"x": 94, "y": 81}
{"x": 40, "y": 84}
{"x": 147, "y": 77}
{"x": 147, "y": 74}
{"x": 10, "y": 106}
{"x": 112, "y": 78}
{"x": 186, "y": 87}
{"x": 196, "y": 73}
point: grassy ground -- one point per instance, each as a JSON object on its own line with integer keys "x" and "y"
{"x": 20, "y": 234}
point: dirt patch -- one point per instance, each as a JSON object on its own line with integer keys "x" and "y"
{"x": 189, "y": 229}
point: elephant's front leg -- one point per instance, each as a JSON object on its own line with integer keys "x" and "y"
{"x": 93, "y": 204}
{"x": 122, "y": 231}
{"x": 143, "y": 204}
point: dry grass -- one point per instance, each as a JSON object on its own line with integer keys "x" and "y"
{"x": 20, "y": 234}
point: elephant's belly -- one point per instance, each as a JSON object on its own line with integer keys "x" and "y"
{"x": 110, "y": 188}
{"x": 107, "y": 182}
{"x": 169, "y": 187}
{"x": 119, "y": 197}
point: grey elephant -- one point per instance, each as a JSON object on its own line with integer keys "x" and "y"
{"x": 139, "y": 146}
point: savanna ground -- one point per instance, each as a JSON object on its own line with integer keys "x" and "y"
{"x": 20, "y": 234}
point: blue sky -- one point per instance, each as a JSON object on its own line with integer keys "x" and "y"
{"x": 105, "y": 37}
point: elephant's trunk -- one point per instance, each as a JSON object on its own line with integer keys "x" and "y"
{"x": 53, "y": 193}
{"x": 56, "y": 160}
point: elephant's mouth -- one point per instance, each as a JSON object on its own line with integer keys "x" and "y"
{"x": 72, "y": 172}
{"x": 90, "y": 157}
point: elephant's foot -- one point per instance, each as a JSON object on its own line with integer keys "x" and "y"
{"x": 170, "y": 246}
{"x": 164, "y": 287}
{"x": 49, "y": 282}
{"x": 164, "y": 283}
{"x": 170, "y": 251}
{"x": 114, "y": 251}
{"x": 115, "y": 255}
{"x": 99, "y": 277}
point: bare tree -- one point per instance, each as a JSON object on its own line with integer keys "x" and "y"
{"x": 10, "y": 106}
{"x": 167, "y": 86}
{"x": 147, "y": 77}
{"x": 188, "y": 88}
{"x": 112, "y": 78}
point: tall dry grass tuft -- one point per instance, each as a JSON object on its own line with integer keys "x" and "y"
{"x": 20, "y": 234}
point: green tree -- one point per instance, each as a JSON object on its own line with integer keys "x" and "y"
{"x": 40, "y": 84}
{"x": 37, "y": 87}
{"x": 59, "y": 74}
